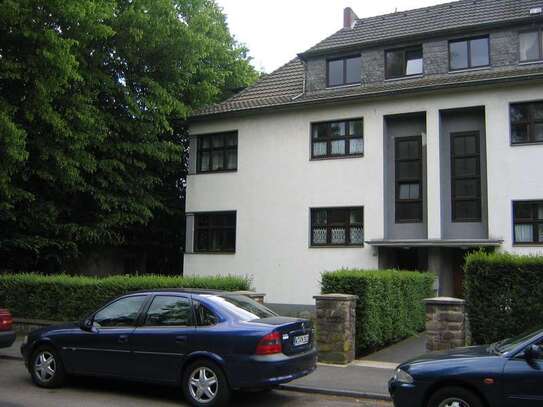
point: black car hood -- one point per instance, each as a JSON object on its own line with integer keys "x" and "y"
{"x": 458, "y": 353}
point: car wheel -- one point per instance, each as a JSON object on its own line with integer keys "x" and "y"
{"x": 204, "y": 384}
{"x": 454, "y": 397}
{"x": 46, "y": 367}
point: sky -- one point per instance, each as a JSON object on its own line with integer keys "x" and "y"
{"x": 276, "y": 30}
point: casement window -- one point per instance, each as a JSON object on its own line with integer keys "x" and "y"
{"x": 469, "y": 53}
{"x": 526, "y": 122}
{"x": 531, "y": 46}
{"x": 217, "y": 152}
{"x": 403, "y": 62}
{"x": 337, "y": 226}
{"x": 344, "y": 71}
{"x": 465, "y": 177}
{"x": 528, "y": 222}
{"x": 215, "y": 232}
{"x": 408, "y": 160}
{"x": 337, "y": 139}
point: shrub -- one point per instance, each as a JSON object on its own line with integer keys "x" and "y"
{"x": 389, "y": 307}
{"x": 503, "y": 294}
{"x": 67, "y": 298}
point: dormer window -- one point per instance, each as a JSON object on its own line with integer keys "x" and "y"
{"x": 469, "y": 53}
{"x": 531, "y": 46}
{"x": 344, "y": 71}
{"x": 403, "y": 62}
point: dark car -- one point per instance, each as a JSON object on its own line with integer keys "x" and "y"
{"x": 7, "y": 334}
{"x": 507, "y": 373}
{"x": 207, "y": 342}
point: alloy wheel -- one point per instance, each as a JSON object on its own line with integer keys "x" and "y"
{"x": 45, "y": 366}
{"x": 454, "y": 402}
{"x": 203, "y": 385}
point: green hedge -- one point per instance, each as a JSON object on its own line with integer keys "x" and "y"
{"x": 504, "y": 295}
{"x": 68, "y": 298}
{"x": 389, "y": 307}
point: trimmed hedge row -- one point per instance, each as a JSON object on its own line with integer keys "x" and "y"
{"x": 503, "y": 294}
{"x": 389, "y": 307}
{"x": 67, "y": 298}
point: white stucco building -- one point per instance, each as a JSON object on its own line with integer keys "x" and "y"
{"x": 400, "y": 141}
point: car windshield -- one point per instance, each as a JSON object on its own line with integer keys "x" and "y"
{"x": 509, "y": 344}
{"x": 244, "y": 308}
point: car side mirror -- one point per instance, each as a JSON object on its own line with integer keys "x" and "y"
{"x": 533, "y": 352}
{"x": 87, "y": 324}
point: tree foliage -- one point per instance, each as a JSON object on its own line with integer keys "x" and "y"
{"x": 90, "y": 94}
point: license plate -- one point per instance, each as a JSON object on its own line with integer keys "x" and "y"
{"x": 301, "y": 340}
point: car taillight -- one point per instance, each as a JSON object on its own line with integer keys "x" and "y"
{"x": 269, "y": 344}
{"x": 6, "y": 320}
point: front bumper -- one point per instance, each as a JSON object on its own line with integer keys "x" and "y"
{"x": 266, "y": 371}
{"x": 7, "y": 338}
{"x": 407, "y": 395}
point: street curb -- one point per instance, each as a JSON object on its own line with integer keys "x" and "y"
{"x": 335, "y": 392}
{"x": 8, "y": 357}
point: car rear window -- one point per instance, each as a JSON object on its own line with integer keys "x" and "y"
{"x": 243, "y": 307}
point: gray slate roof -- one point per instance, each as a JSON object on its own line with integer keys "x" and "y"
{"x": 284, "y": 88}
{"x": 425, "y": 21}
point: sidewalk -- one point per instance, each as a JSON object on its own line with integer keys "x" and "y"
{"x": 364, "y": 378}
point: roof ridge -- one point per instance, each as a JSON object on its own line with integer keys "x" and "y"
{"x": 448, "y": 4}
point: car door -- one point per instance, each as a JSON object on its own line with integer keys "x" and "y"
{"x": 105, "y": 349}
{"x": 523, "y": 381}
{"x": 163, "y": 340}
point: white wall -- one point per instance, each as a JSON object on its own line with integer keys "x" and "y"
{"x": 276, "y": 184}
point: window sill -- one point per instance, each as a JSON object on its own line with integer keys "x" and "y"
{"x": 479, "y": 68}
{"x": 349, "y": 85}
{"x": 403, "y": 78}
{"x": 212, "y": 253}
{"x": 527, "y": 143}
{"x": 337, "y": 246}
{"x": 339, "y": 157}
{"x": 532, "y": 244}
{"x": 214, "y": 172}
{"x": 535, "y": 62}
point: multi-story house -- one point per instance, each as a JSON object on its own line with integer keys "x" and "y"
{"x": 401, "y": 141}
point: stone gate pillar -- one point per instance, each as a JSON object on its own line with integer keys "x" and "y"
{"x": 336, "y": 327}
{"x": 445, "y": 323}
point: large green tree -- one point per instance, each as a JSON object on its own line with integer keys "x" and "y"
{"x": 91, "y": 96}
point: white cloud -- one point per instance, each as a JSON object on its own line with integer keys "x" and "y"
{"x": 276, "y": 30}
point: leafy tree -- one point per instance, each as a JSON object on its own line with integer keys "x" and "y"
{"x": 90, "y": 94}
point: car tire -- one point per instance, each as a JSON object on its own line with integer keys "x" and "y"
{"x": 203, "y": 379}
{"x": 46, "y": 368}
{"x": 448, "y": 396}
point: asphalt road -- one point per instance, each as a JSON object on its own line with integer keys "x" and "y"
{"x": 16, "y": 390}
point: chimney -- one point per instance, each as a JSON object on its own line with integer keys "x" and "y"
{"x": 349, "y": 18}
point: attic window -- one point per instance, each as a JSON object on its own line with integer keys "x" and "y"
{"x": 404, "y": 62}
{"x": 344, "y": 71}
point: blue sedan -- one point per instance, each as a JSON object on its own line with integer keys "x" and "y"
{"x": 505, "y": 374}
{"x": 205, "y": 341}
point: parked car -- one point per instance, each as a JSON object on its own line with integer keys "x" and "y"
{"x": 508, "y": 373}
{"x": 208, "y": 342}
{"x": 7, "y": 334}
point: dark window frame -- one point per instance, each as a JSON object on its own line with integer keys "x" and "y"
{"x": 344, "y": 63}
{"x": 404, "y": 51}
{"x": 539, "y": 32}
{"x": 408, "y": 180}
{"x": 530, "y": 123}
{"x": 211, "y": 228}
{"x": 329, "y": 139}
{"x": 468, "y": 40}
{"x": 329, "y": 226}
{"x": 225, "y": 149}
{"x": 477, "y": 178}
{"x": 533, "y": 220}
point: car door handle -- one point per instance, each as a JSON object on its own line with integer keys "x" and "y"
{"x": 123, "y": 339}
{"x": 181, "y": 339}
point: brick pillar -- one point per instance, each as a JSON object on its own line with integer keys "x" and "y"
{"x": 336, "y": 327}
{"x": 258, "y": 297}
{"x": 445, "y": 323}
